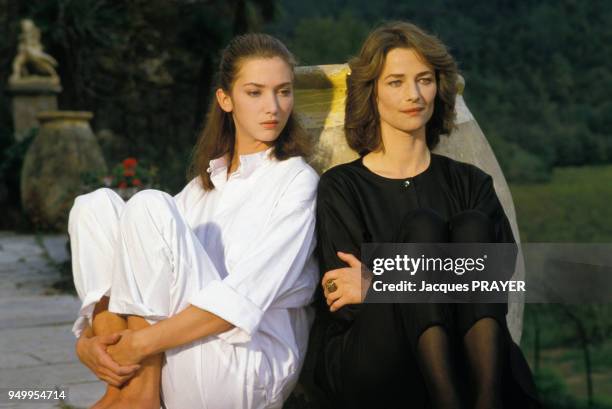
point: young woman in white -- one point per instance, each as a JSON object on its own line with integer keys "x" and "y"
{"x": 206, "y": 293}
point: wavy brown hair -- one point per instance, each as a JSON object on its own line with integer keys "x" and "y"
{"x": 362, "y": 121}
{"x": 218, "y": 135}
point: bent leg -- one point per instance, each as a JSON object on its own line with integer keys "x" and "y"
{"x": 428, "y": 326}
{"x": 160, "y": 264}
{"x": 481, "y": 325}
{"x": 143, "y": 390}
{"x": 474, "y": 227}
{"x": 160, "y": 261}
{"x": 93, "y": 228}
{"x": 397, "y": 347}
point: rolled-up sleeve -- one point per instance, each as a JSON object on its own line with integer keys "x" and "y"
{"x": 272, "y": 273}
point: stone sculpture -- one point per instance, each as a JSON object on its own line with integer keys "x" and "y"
{"x": 31, "y": 62}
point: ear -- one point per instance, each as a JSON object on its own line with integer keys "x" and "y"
{"x": 224, "y": 100}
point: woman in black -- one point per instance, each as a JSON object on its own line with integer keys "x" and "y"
{"x": 401, "y": 94}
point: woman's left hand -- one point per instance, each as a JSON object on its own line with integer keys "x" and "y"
{"x": 348, "y": 281}
{"x": 127, "y": 351}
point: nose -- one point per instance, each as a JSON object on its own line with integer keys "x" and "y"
{"x": 271, "y": 104}
{"x": 413, "y": 93}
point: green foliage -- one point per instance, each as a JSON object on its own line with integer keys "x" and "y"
{"x": 535, "y": 70}
{"x": 144, "y": 67}
{"x": 560, "y": 373}
{"x": 548, "y": 318}
{"x": 14, "y": 154}
{"x": 327, "y": 40}
{"x": 573, "y": 207}
{"x": 553, "y": 391}
{"x": 12, "y": 161}
{"x": 554, "y": 394}
{"x": 517, "y": 163}
{"x": 130, "y": 173}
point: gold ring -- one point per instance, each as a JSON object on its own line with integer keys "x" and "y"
{"x": 331, "y": 286}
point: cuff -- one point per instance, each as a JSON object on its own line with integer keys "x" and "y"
{"x": 87, "y": 309}
{"x": 223, "y": 301}
{"x": 128, "y": 307}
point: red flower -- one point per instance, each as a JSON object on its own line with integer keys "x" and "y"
{"x": 136, "y": 182}
{"x": 122, "y": 185}
{"x": 130, "y": 163}
{"x": 129, "y": 172}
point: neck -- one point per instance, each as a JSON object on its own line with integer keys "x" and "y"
{"x": 244, "y": 146}
{"x": 401, "y": 155}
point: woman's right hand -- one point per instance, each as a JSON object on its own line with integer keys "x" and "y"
{"x": 350, "y": 284}
{"x": 92, "y": 353}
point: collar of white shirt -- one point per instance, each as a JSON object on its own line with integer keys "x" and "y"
{"x": 248, "y": 163}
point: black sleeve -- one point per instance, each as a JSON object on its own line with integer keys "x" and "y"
{"x": 339, "y": 228}
{"x": 486, "y": 200}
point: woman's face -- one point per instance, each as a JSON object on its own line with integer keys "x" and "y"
{"x": 261, "y": 99}
{"x": 406, "y": 90}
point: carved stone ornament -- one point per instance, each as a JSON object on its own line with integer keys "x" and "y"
{"x": 31, "y": 64}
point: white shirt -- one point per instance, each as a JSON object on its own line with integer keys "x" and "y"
{"x": 258, "y": 229}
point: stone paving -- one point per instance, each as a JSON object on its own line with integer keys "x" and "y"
{"x": 36, "y": 344}
{"x": 36, "y": 341}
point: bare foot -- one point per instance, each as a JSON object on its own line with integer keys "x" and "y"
{"x": 110, "y": 396}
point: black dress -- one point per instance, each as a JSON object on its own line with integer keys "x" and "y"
{"x": 355, "y": 206}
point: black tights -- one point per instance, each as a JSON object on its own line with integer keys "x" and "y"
{"x": 427, "y": 355}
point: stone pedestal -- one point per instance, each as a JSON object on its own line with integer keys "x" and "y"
{"x": 31, "y": 96}
{"x": 63, "y": 150}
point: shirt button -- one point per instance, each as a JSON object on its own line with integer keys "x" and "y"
{"x": 406, "y": 183}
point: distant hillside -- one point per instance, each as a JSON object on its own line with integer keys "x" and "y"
{"x": 537, "y": 72}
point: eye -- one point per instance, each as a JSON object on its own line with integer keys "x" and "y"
{"x": 253, "y": 93}
{"x": 395, "y": 83}
{"x": 285, "y": 92}
{"x": 426, "y": 80}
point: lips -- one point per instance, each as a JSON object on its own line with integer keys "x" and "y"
{"x": 412, "y": 110}
{"x": 269, "y": 124}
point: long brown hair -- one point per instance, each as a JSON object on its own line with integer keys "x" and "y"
{"x": 362, "y": 121}
{"x": 218, "y": 135}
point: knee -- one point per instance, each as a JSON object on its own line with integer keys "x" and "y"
{"x": 422, "y": 226}
{"x": 468, "y": 315}
{"x": 146, "y": 204}
{"x": 419, "y": 317}
{"x": 90, "y": 206}
{"x": 150, "y": 199}
{"x": 471, "y": 226}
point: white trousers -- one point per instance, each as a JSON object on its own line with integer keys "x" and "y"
{"x": 145, "y": 256}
